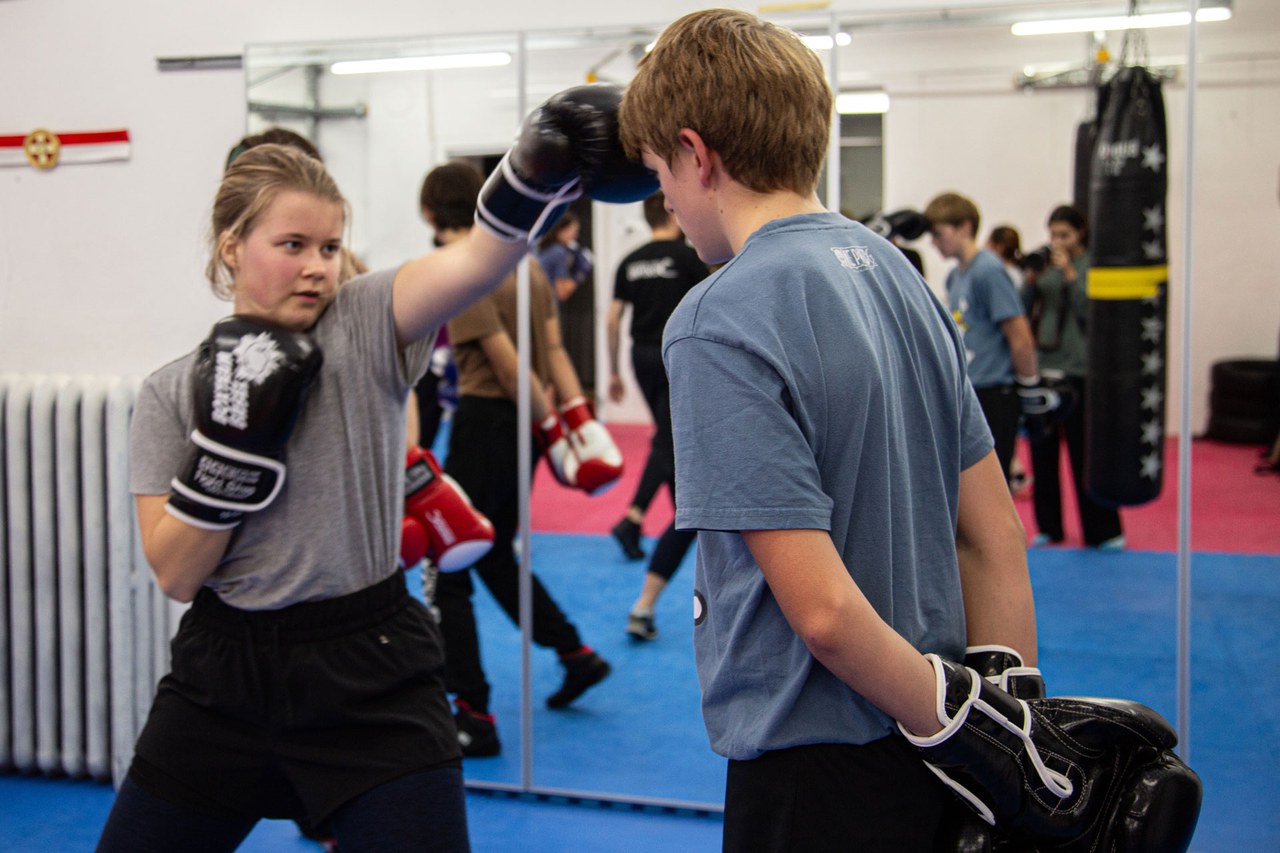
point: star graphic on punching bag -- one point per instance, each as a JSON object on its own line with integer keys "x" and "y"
{"x": 1151, "y": 433}
{"x": 1151, "y": 466}
{"x": 1152, "y": 219}
{"x": 1151, "y": 398}
{"x": 1151, "y": 363}
{"x": 1153, "y": 158}
{"x": 1151, "y": 329}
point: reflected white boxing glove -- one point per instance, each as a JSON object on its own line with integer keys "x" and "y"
{"x": 599, "y": 459}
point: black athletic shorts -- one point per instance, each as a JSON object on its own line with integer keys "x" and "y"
{"x": 874, "y": 798}
{"x": 290, "y": 713}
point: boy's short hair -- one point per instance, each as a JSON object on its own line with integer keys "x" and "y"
{"x": 952, "y": 209}
{"x": 655, "y": 210}
{"x": 751, "y": 89}
{"x": 273, "y": 136}
{"x": 449, "y": 191}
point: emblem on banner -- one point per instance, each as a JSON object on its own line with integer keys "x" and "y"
{"x": 42, "y": 148}
{"x": 45, "y": 149}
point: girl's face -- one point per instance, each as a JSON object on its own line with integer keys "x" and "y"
{"x": 286, "y": 268}
{"x": 1065, "y": 237}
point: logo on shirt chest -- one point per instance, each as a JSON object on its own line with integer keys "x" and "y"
{"x": 854, "y": 257}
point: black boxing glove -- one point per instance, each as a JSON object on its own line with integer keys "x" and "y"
{"x": 1003, "y": 667}
{"x": 1071, "y": 774}
{"x": 249, "y": 382}
{"x": 906, "y": 223}
{"x": 1037, "y": 398}
{"x": 566, "y": 147}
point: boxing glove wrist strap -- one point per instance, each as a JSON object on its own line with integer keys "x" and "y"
{"x": 219, "y": 483}
{"x": 514, "y": 211}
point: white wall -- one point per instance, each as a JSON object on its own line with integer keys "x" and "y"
{"x": 101, "y": 266}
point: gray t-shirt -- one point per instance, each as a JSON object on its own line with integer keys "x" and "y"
{"x": 816, "y": 383}
{"x": 335, "y": 526}
{"x": 982, "y": 296}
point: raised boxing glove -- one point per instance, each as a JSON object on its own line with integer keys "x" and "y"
{"x": 1069, "y": 774}
{"x": 599, "y": 459}
{"x": 567, "y": 146}
{"x": 249, "y": 383}
{"x": 457, "y": 534}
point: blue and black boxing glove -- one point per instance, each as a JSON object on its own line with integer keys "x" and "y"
{"x": 565, "y": 148}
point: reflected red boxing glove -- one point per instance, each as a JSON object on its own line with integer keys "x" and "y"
{"x": 440, "y": 523}
{"x": 599, "y": 459}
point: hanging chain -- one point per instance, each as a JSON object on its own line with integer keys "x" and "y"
{"x": 1133, "y": 50}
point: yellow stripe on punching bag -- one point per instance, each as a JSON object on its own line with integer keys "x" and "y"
{"x": 1126, "y": 282}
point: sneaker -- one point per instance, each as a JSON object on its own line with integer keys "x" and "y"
{"x": 477, "y": 733}
{"x": 1042, "y": 539}
{"x": 1115, "y": 543}
{"x": 321, "y": 835}
{"x": 1020, "y": 484}
{"x": 627, "y": 532}
{"x": 582, "y": 669}
{"x": 641, "y": 626}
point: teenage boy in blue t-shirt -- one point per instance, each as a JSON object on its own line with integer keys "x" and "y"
{"x": 830, "y": 452}
{"x": 855, "y": 529}
{"x": 988, "y": 310}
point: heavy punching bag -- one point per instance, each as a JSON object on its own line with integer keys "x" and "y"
{"x": 1127, "y": 285}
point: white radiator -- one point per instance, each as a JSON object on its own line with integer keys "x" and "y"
{"x": 84, "y": 629}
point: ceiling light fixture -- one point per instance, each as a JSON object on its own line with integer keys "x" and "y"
{"x": 862, "y": 103}
{"x": 824, "y": 42}
{"x": 1120, "y": 22}
{"x": 422, "y": 63}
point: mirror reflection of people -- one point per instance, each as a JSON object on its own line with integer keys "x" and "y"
{"x": 1059, "y": 317}
{"x": 568, "y": 264}
{"x": 989, "y": 313}
{"x": 1005, "y": 242}
{"x": 830, "y": 452}
{"x": 649, "y": 284}
{"x": 483, "y": 459}
{"x": 267, "y": 467}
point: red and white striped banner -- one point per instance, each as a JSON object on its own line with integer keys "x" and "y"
{"x": 45, "y": 149}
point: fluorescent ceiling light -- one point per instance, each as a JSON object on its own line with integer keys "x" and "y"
{"x": 824, "y": 42}
{"x": 1120, "y": 22}
{"x": 421, "y": 63}
{"x": 862, "y": 103}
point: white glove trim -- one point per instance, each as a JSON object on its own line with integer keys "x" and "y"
{"x": 1057, "y": 783}
{"x": 220, "y": 449}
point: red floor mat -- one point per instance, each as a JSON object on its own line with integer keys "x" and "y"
{"x": 1233, "y": 510}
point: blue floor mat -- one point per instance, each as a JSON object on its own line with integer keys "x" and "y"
{"x": 1107, "y": 626}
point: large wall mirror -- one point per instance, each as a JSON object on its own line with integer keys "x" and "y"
{"x": 955, "y": 105}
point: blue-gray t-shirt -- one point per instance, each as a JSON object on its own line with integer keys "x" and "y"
{"x": 981, "y": 297}
{"x": 816, "y": 383}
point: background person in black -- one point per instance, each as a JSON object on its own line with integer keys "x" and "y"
{"x": 652, "y": 280}
{"x": 1059, "y": 311}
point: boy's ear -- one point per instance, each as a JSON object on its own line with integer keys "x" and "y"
{"x": 704, "y": 158}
